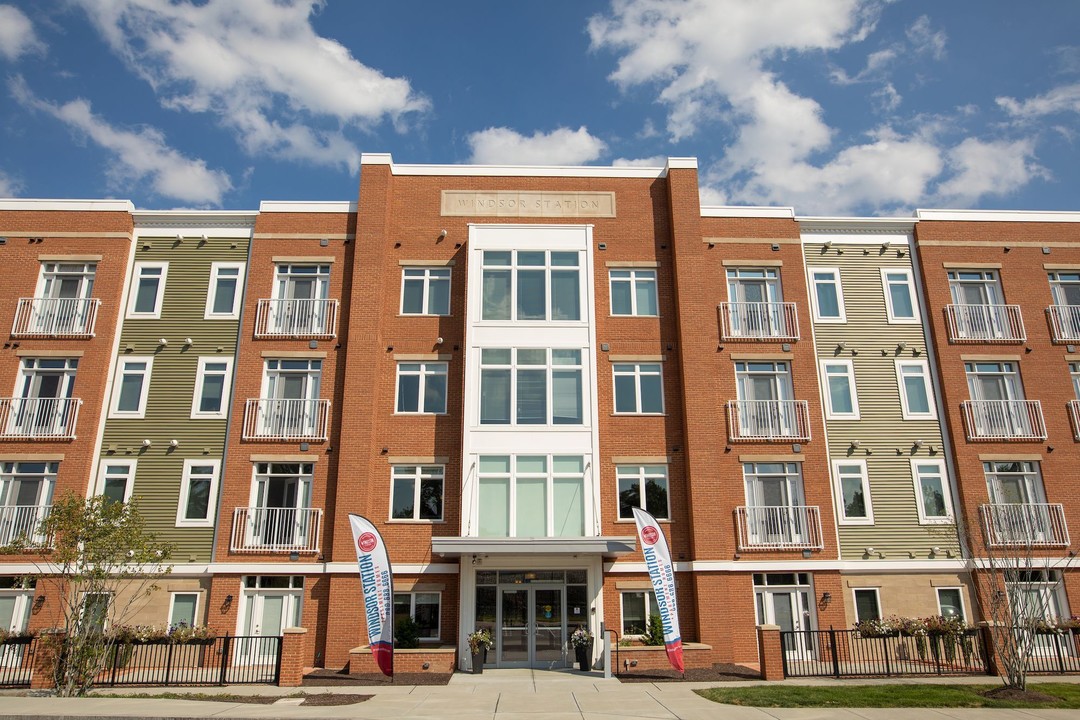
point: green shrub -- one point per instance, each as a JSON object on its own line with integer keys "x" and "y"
{"x": 655, "y": 634}
{"x": 406, "y": 633}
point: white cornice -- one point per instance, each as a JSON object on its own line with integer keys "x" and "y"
{"x": 747, "y": 211}
{"x": 42, "y": 204}
{"x": 856, "y": 225}
{"x": 848, "y": 566}
{"x": 196, "y": 222}
{"x": 1048, "y": 216}
{"x": 586, "y": 171}
{"x": 307, "y": 206}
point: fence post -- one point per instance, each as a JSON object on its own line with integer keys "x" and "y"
{"x": 291, "y": 657}
{"x": 168, "y": 663}
{"x": 835, "y": 650}
{"x": 48, "y": 652}
{"x": 224, "y": 659}
{"x": 1057, "y": 649}
{"x": 770, "y": 653}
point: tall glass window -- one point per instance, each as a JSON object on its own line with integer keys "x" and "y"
{"x": 532, "y": 285}
{"x": 532, "y": 496}
{"x": 531, "y": 386}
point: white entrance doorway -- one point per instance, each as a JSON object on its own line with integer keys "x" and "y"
{"x": 784, "y": 599}
{"x": 270, "y": 604}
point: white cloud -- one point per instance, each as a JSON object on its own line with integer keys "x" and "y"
{"x": 563, "y": 146}
{"x": 17, "y": 36}
{"x": 261, "y": 68}
{"x": 925, "y": 40}
{"x": 989, "y": 168}
{"x": 654, "y": 161}
{"x": 1065, "y": 98}
{"x": 139, "y": 156}
{"x": 9, "y": 186}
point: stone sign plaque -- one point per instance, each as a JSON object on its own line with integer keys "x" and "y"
{"x": 528, "y": 203}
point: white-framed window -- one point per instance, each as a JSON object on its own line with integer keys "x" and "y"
{"x": 633, "y": 292}
{"x": 827, "y": 295}
{"x": 637, "y": 607}
{"x": 147, "y": 289}
{"x": 639, "y": 388}
{"x": 916, "y": 397}
{"x": 531, "y": 496}
{"x": 853, "y": 492}
{"x": 198, "y": 490}
{"x": 423, "y": 608}
{"x": 26, "y": 491}
{"x": 994, "y": 381}
{"x": 183, "y": 609}
{"x": 425, "y": 291}
{"x": 1015, "y": 482}
{"x": 116, "y": 479}
{"x": 531, "y": 386}
{"x": 899, "y": 288}
{"x": 975, "y": 287}
{"x": 932, "y": 495}
{"x": 531, "y": 285}
{"x": 1065, "y": 288}
{"x": 212, "y": 382}
{"x": 416, "y": 492}
{"x": 643, "y": 486}
{"x": 950, "y": 601}
{"x": 131, "y": 386}
{"x": 1074, "y": 375}
{"x": 841, "y": 398}
{"x": 44, "y": 406}
{"x": 421, "y": 387}
{"x": 773, "y": 484}
{"x": 226, "y": 285}
{"x": 63, "y": 280}
{"x": 94, "y": 611}
{"x": 301, "y": 281}
{"x": 867, "y": 604}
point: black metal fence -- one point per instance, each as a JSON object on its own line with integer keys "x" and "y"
{"x": 17, "y": 662}
{"x": 1056, "y": 653}
{"x": 228, "y": 660}
{"x": 846, "y": 653}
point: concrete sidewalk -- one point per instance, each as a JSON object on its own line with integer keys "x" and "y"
{"x": 501, "y": 695}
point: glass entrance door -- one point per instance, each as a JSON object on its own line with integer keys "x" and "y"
{"x": 532, "y": 627}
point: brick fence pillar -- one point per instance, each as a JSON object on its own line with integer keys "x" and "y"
{"x": 770, "y": 653}
{"x": 990, "y": 648}
{"x": 293, "y": 657}
{"x": 46, "y": 650}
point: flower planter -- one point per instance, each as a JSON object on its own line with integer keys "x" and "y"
{"x": 583, "y": 655}
{"x": 17, "y": 641}
{"x": 478, "y": 658}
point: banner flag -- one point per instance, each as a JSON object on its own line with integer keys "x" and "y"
{"x": 377, "y": 590}
{"x": 662, "y": 574}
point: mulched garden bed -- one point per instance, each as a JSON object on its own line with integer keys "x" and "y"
{"x": 327, "y": 699}
{"x": 720, "y": 672}
{"x": 337, "y": 678}
{"x": 1030, "y": 696}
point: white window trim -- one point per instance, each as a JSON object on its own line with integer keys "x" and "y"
{"x": 960, "y": 590}
{"x": 855, "y": 604}
{"x": 424, "y": 365}
{"x": 622, "y": 614}
{"x": 412, "y": 610}
{"x": 830, "y": 413}
{"x": 893, "y": 319}
{"x": 114, "y": 402}
{"x": 904, "y": 409}
{"x": 226, "y": 388}
{"x": 416, "y": 477}
{"x": 641, "y": 478}
{"x": 172, "y": 605}
{"x": 633, "y": 280}
{"x": 838, "y": 488}
{"x": 134, "y": 291}
{"x": 946, "y": 491}
{"x": 839, "y": 295}
{"x": 211, "y": 293}
{"x": 185, "y": 486}
{"x": 637, "y": 375}
{"x": 99, "y": 484}
{"x": 427, "y": 290}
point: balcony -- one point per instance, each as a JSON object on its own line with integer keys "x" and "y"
{"x": 768, "y": 420}
{"x": 1065, "y": 323}
{"x": 277, "y": 419}
{"x": 985, "y": 323}
{"x": 1003, "y": 419}
{"x": 784, "y": 527}
{"x": 1025, "y": 524}
{"x": 276, "y": 530}
{"x": 22, "y": 521}
{"x": 38, "y": 418}
{"x": 759, "y": 320}
{"x": 55, "y": 317}
{"x": 1074, "y": 414}
{"x": 296, "y": 318}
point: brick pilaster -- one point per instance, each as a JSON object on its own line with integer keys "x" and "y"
{"x": 293, "y": 655}
{"x": 770, "y": 652}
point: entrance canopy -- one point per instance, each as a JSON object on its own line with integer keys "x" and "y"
{"x": 609, "y": 547}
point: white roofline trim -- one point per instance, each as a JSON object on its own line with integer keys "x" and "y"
{"x": 1056, "y": 216}
{"x": 307, "y": 206}
{"x": 747, "y": 211}
{"x": 42, "y": 204}
{"x": 588, "y": 171}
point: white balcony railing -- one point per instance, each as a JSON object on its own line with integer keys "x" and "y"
{"x": 277, "y": 419}
{"x": 55, "y": 317}
{"x": 1004, "y": 419}
{"x": 276, "y": 529}
{"x": 785, "y": 527}
{"x": 1074, "y": 414}
{"x": 1065, "y": 323}
{"x": 764, "y": 320}
{"x": 985, "y": 323}
{"x": 38, "y": 418}
{"x": 296, "y": 318}
{"x": 1024, "y": 524}
{"x": 764, "y": 420}
{"x": 22, "y": 521}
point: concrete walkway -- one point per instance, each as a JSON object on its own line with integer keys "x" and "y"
{"x": 501, "y": 695}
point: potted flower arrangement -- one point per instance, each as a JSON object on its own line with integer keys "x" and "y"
{"x": 15, "y": 637}
{"x": 182, "y": 633}
{"x": 582, "y": 641}
{"x": 480, "y": 641}
{"x": 878, "y": 628}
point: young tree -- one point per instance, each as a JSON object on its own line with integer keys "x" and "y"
{"x": 103, "y": 563}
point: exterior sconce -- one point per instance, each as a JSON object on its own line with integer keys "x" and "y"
{"x": 855, "y": 444}
{"x": 826, "y": 598}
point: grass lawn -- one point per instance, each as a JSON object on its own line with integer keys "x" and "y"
{"x": 881, "y": 696}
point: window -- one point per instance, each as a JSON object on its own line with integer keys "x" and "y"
{"x": 116, "y": 479}
{"x": 147, "y": 289}
{"x": 300, "y": 304}
{"x": 425, "y": 291}
{"x": 755, "y": 307}
{"x": 131, "y": 387}
{"x": 542, "y": 385}
{"x": 417, "y": 492}
{"x": 950, "y": 602}
{"x": 853, "y": 492}
{"x": 44, "y": 407}
{"x": 279, "y": 517}
{"x": 1065, "y": 288}
{"x": 773, "y": 484}
{"x": 212, "y": 388}
{"x": 639, "y": 388}
{"x": 223, "y": 298}
{"x": 867, "y": 606}
{"x": 765, "y": 408}
{"x": 827, "y": 295}
{"x": 1013, "y": 482}
{"x": 423, "y": 608}
{"x": 62, "y": 304}
{"x": 421, "y": 387}
{"x": 841, "y": 401}
{"x": 931, "y": 491}
{"x": 633, "y": 292}
{"x": 643, "y": 486}
{"x": 997, "y": 407}
{"x": 1074, "y": 373}
{"x": 975, "y": 287}
{"x": 916, "y": 400}
{"x": 637, "y": 608}
{"x": 94, "y": 613}
{"x": 67, "y": 281}
{"x": 26, "y": 491}
{"x": 198, "y": 490}
{"x": 532, "y": 496}
{"x": 183, "y": 609}
{"x": 531, "y": 285}
{"x": 899, "y": 290}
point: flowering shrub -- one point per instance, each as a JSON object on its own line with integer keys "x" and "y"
{"x": 581, "y": 638}
{"x": 6, "y": 635}
{"x": 912, "y": 627}
{"x": 181, "y": 632}
{"x": 480, "y": 639}
{"x": 880, "y": 627}
{"x": 178, "y": 633}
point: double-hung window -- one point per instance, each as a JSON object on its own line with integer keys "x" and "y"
{"x": 147, "y": 289}
{"x": 867, "y": 604}
{"x": 639, "y": 388}
{"x": 633, "y": 292}
{"x": 827, "y": 295}
{"x": 116, "y": 479}
{"x": 531, "y": 285}
{"x": 421, "y": 387}
{"x": 531, "y": 496}
{"x": 841, "y": 401}
{"x": 226, "y": 284}
{"x": 645, "y": 487}
{"x": 212, "y": 383}
{"x": 198, "y": 490}
{"x": 131, "y": 387}
{"x": 916, "y": 399}
{"x": 531, "y": 386}
{"x": 899, "y": 287}
{"x": 853, "y": 492}
{"x": 425, "y": 291}
{"x": 932, "y": 491}
{"x": 423, "y": 608}
{"x": 417, "y": 492}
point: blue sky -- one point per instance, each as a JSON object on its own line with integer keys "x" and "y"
{"x": 865, "y": 107}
